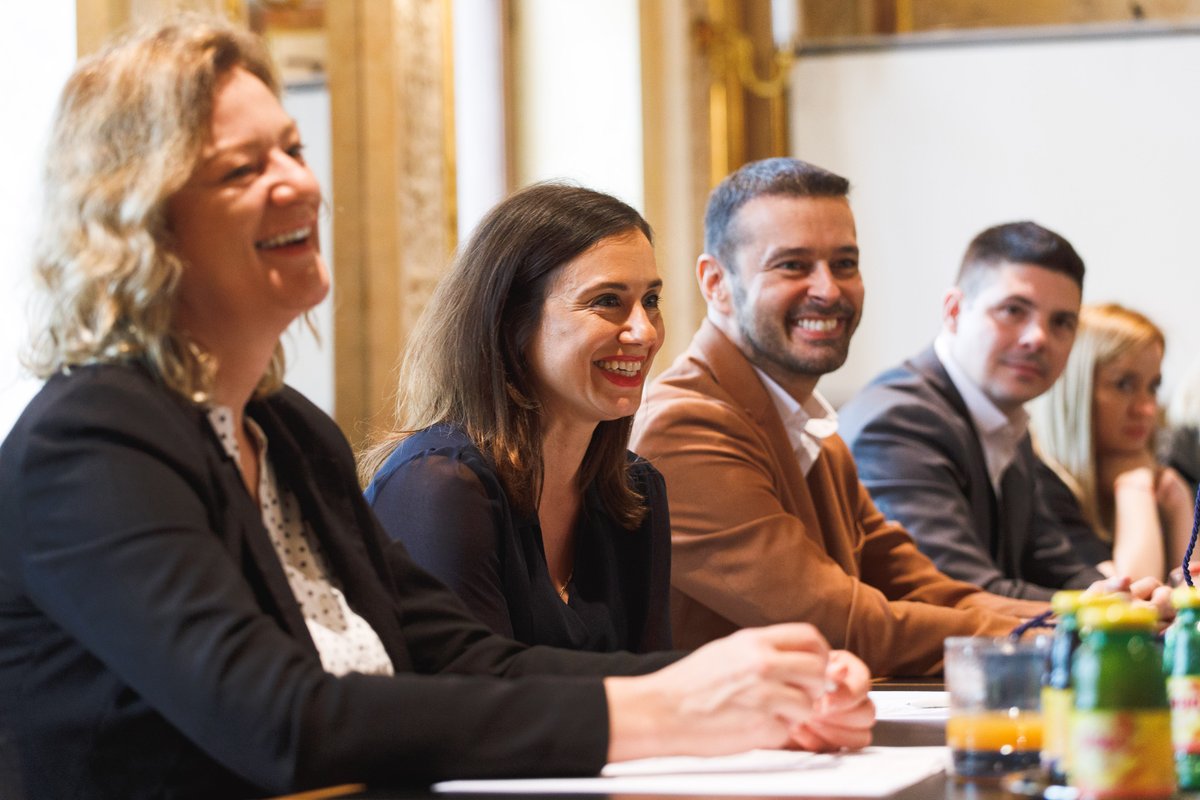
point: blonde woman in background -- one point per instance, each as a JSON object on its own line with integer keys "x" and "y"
{"x": 1095, "y": 428}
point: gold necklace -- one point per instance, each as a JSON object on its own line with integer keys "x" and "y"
{"x": 562, "y": 590}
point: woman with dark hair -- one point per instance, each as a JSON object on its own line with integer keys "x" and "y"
{"x": 194, "y": 596}
{"x": 507, "y": 475}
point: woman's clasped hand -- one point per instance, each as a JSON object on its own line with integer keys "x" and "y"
{"x": 779, "y": 686}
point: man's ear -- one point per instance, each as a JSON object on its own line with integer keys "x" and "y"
{"x": 952, "y": 304}
{"x": 714, "y": 283}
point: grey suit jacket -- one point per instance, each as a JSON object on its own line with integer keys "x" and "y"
{"x": 920, "y": 457}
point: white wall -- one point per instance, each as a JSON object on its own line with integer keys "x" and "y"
{"x": 309, "y": 358}
{"x": 37, "y": 50}
{"x": 1096, "y": 139}
{"x": 577, "y": 67}
{"x": 479, "y": 109}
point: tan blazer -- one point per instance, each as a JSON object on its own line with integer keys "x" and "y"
{"x": 755, "y": 542}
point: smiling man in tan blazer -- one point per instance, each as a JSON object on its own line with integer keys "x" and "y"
{"x": 769, "y": 519}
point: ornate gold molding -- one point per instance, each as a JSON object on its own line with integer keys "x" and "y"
{"x": 426, "y": 137}
{"x": 676, "y": 152}
{"x": 700, "y": 122}
{"x": 393, "y": 189}
{"x": 749, "y": 80}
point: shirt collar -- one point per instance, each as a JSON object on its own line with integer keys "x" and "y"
{"x": 999, "y": 433}
{"x": 806, "y": 423}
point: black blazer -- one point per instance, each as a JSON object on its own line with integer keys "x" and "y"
{"x": 150, "y": 644}
{"x": 440, "y": 499}
{"x": 920, "y": 457}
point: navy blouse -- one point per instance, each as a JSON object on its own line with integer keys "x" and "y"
{"x": 440, "y": 498}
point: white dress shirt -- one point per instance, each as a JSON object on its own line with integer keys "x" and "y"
{"x": 807, "y": 423}
{"x": 999, "y": 433}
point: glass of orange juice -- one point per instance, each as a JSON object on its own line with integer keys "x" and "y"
{"x": 995, "y": 722}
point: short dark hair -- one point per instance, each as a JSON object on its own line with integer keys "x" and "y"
{"x": 1018, "y": 243}
{"x": 466, "y": 360}
{"x": 789, "y": 177}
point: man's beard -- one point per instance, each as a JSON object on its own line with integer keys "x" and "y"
{"x": 774, "y": 347}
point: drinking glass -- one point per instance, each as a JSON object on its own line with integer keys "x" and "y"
{"x": 995, "y": 722}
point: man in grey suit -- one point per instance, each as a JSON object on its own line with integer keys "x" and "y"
{"x": 941, "y": 441}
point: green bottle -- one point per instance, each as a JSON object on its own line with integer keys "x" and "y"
{"x": 1120, "y": 741}
{"x": 1183, "y": 685}
{"x": 1057, "y": 695}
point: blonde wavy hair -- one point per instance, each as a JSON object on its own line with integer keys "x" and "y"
{"x": 127, "y": 133}
{"x": 1062, "y": 417}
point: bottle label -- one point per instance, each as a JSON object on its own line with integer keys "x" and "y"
{"x": 1056, "y": 718}
{"x": 1184, "y": 693}
{"x": 1119, "y": 754}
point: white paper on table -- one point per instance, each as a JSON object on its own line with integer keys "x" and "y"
{"x": 871, "y": 772}
{"x": 911, "y": 705}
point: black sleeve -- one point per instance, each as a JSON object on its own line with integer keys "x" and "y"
{"x": 435, "y": 506}
{"x": 657, "y": 632}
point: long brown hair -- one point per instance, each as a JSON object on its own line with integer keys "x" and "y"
{"x": 466, "y": 362}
